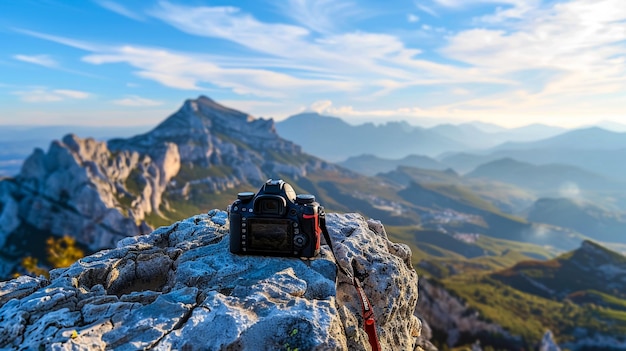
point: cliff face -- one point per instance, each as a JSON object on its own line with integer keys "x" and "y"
{"x": 180, "y": 288}
{"x": 82, "y": 189}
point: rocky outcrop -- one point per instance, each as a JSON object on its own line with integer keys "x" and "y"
{"x": 180, "y": 288}
{"x": 455, "y": 320}
{"x": 82, "y": 189}
{"x": 548, "y": 343}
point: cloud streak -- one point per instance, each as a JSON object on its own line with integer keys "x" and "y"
{"x": 41, "y": 60}
{"x": 43, "y": 95}
{"x": 136, "y": 101}
{"x": 119, "y": 9}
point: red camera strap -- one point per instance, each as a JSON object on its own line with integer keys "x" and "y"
{"x": 369, "y": 323}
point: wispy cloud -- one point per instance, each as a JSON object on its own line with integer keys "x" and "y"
{"x": 39, "y": 95}
{"x": 119, "y": 9}
{"x": 323, "y": 16}
{"x": 364, "y": 58}
{"x": 78, "y": 44}
{"x": 426, "y": 9}
{"x": 136, "y": 101}
{"x": 188, "y": 72}
{"x": 41, "y": 60}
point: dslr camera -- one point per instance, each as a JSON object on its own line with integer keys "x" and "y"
{"x": 275, "y": 222}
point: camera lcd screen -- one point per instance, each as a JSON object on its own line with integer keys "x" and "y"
{"x": 271, "y": 235}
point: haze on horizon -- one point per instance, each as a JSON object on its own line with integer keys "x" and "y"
{"x": 507, "y": 62}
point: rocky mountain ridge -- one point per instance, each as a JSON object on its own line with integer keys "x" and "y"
{"x": 181, "y": 288}
{"x": 98, "y": 192}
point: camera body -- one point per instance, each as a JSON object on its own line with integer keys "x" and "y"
{"x": 275, "y": 222}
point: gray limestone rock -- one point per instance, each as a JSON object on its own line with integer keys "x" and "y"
{"x": 78, "y": 188}
{"x": 548, "y": 343}
{"x": 181, "y": 288}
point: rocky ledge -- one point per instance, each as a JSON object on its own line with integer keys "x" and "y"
{"x": 180, "y": 288}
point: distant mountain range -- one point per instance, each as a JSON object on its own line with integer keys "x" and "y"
{"x": 333, "y": 139}
{"x": 593, "y": 149}
{"x": 547, "y": 178}
{"x": 371, "y": 165}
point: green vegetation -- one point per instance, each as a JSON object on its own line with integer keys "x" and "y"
{"x": 60, "y": 252}
{"x": 189, "y": 172}
{"x": 529, "y": 315}
{"x": 134, "y": 183}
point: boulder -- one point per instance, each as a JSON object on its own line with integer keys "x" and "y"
{"x": 181, "y": 288}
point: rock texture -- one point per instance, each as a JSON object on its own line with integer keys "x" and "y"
{"x": 180, "y": 288}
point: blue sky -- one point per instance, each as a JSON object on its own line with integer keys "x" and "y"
{"x": 509, "y": 62}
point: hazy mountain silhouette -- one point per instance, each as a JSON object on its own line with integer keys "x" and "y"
{"x": 335, "y": 140}
{"x": 586, "y": 218}
{"x": 372, "y": 165}
{"x": 593, "y": 138}
{"x": 551, "y": 178}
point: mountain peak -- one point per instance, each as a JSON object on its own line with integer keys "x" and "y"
{"x": 592, "y": 251}
{"x": 202, "y": 124}
{"x": 210, "y": 108}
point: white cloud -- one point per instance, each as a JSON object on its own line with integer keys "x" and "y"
{"x": 136, "y": 101}
{"x": 41, "y": 60}
{"x": 39, "y": 95}
{"x": 320, "y": 106}
{"x": 580, "y": 42}
{"x": 460, "y": 91}
{"x": 119, "y": 9}
{"x": 188, "y": 72}
{"x": 412, "y": 18}
{"x": 72, "y": 94}
{"x": 364, "y": 59}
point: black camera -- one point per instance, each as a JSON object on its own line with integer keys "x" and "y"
{"x": 275, "y": 222}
